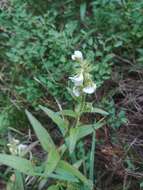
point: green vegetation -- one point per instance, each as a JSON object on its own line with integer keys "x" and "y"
{"x": 95, "y": 132}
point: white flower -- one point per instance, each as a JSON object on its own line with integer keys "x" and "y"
{"x": 77, "y": 55}
{"x": 13, "y": 150}
{"x": 21, "y": 148}
{"x": 15, "y": 141}
{"x": 77, "y": 79}
{"x": 90, "y": 89}
{"x": 13, "y": 146}
{"x": 76, "y": 91}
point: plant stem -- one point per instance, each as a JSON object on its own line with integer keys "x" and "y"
{"x": 82, "y": 105}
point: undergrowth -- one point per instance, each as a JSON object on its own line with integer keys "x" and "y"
{"x": 36, "y": 41}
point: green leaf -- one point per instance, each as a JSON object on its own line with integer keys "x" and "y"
{"x": 47, "y": 143}
{"x": 141, "y": 184}
{"x": 80, "y": 132}
{"x": 42, "y": 134}
{"x": 100, "y": 111}
{"x": 88, "y": 129}
{"x": 18, "y": 163}
{"x": 52, "y": 161}
{"x": 63, "y": 126}
{"x": 62, "y": 174}
{"x": 69, "y": 113}
{"x": 92, "y": 157}
{"x": 84, "y": 131}
{"x": 71, "y": 169}
{"x": 118, "y": 44}
{"x": 82, "y": 11}
{"x": 73, "y": 135}
{"x": 19, "y": 181}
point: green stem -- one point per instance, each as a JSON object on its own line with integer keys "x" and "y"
{"x": 82, "y": 104}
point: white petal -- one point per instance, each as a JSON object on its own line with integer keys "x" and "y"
{"x": 77, "y": 55}
{"x": 21, "y": 148}
{"x": 77, "y": 79}
{"x": 12, "y": 150}
{"x": 73, "y": 57}
{"x": 15, "y": 141}
{"x": 76, "y": 92}
{"x": 89, "y": 89}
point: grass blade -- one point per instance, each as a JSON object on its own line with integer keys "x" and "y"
{"x": 92, "y": 157}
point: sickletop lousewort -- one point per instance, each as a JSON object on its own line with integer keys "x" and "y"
{"x": 82, "y": 80}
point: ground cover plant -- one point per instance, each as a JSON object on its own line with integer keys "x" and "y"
{"x": 92, "y": 99}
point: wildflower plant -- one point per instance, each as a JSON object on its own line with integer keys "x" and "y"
{"x": 62, "y": 163}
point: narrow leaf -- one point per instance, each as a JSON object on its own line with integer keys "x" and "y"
{"x": 82, "y": 11}
{"x": 71, "y": 169}
{"x": 69, "y": 113}
{"x": 92, "y": 157}
{"x": 63, "y": 126}
{"x": 73, "y": 138}
{"x": 100, "y": 111}
{"x": 19, "y": 181}
{"x": 79, "y": 133}
{"x": 88, "y": 129}
{"x": 42, "y": 134}
{"x": 52, "y": 161}
{"x": 18, "y": 163}
{"x": 62, "y": 174}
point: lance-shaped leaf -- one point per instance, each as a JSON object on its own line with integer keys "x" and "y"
{"x": 47, "y": 143}
{"x": 42, "y": 134}
{"x": 18, "y": 163}
{"x": 52, "y": 161}
{"x": 88, "y": 129}
{"x": 69, "y": 113}
{"x": 80, "y": 132}
{"x": 100, "y": 111}
{"x": 63, "y": 126}
{"x": 73, "y": 171}
{"x": 72, "y": 140}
